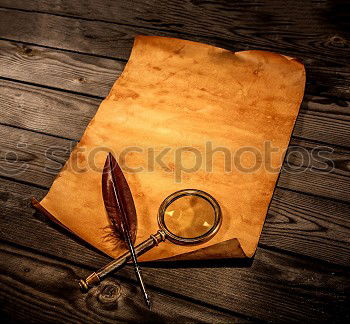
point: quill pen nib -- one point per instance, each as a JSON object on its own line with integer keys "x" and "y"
{"x": 142, "y": 285}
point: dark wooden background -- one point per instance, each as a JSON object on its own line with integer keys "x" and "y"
{"x": 59, "y": 58}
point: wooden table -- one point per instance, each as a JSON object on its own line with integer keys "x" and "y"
{"x": 58, "y": 60}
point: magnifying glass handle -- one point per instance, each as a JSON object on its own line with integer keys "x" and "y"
{"x": 96, "y": 277}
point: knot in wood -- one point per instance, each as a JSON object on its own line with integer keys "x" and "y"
{"x": 338, "y": 41}
{"x": 27, "y": 51}
{"x": 110, "y": 293}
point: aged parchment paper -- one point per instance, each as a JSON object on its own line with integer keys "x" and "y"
{"x": 191, "y": 106}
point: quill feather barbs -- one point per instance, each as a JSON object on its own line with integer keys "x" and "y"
{"x": 120, "y": 208}
{"x": 118, "y": 201}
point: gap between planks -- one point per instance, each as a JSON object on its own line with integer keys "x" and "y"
{"x": 36, "y": 260}
{"x": 127, "y": 17}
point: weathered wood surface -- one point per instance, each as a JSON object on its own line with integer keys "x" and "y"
{"x": 290, "y": 24}
{"x": 274, "y": 278}
{"x": 327, "y": 65}
{"x": 47, "y": 289}
{"x": 59, "y": 58}
{"x": 94, "y": 75}
{"x": 55, "y": 68}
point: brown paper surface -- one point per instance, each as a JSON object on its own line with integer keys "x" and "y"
{"x": 175, "y": 94}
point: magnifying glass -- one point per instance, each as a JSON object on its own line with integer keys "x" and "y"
{"x": 186, "y": 217}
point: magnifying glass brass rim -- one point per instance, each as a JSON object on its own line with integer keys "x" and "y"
{"x": 193, "y": 240}
{"x": 160, "y": 236}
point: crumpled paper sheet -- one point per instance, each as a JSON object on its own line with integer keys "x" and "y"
{"x": 173, "y": 94}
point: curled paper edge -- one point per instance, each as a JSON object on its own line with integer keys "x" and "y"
{"x": 36, "y": 205}
{"x": 231, "y": 248}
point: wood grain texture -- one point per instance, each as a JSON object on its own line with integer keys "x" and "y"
{"x": 81, "y": 48}
{"x": 46, "y": 290}
{"x": 316, "y": 169}
{"x": 103, "y": 39}
{"x": 326, "y": 63}
{"x": 44, "y": 110}
{"x": 307, "y": 26}
{"x": 324, "y": 119}
{"x": 302, "y": 224}
{"x": 95, "y": 76}
{"x": 28, "y": 156}
{"x": 289, "y": 286}
{"x": 86, "y": 74}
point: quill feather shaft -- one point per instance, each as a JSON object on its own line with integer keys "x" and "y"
{"x": 119, "y": 211}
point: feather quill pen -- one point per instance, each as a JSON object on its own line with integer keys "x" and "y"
{"x": 121, "y": 210}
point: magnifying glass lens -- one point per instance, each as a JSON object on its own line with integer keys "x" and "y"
{"x": 189, "y": 216}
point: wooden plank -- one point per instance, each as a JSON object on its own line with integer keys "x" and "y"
{"x": 37, "y": 158}
{"x": 324, "y": 119}
{"x": 86, "y": 74}
{"x": 298, "y": 26}
{"x": 45, "y": 289}
{"x": 83, "y": 36}
{"x": 316, "y": 169}
{"x": 308, "y": 225}
{"x": 95, "y": 76}
{"x": 63, "y": 114}
{"x": 327, "y": 69}
{"x": 275, "y": 287}
{"x": 44, "y": 110}
{"x": 317, "y": 308}
{"x": 28, "y": 156}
